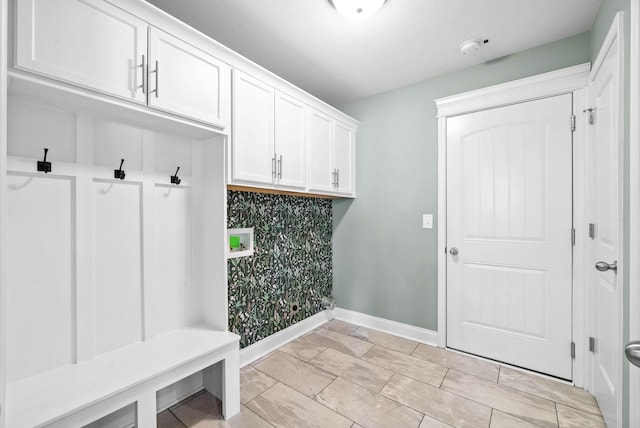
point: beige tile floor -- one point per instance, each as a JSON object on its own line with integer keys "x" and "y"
{"x": 343, "y": 375}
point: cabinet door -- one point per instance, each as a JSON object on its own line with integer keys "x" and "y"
{"x": 289, "y": 140}
{"x": 85, "y": 42}
{"x": 187, "y": 81}
{"x": 343, "y": 157}
{"x": 252, "y": 151}
{"x": 319, "y": 152}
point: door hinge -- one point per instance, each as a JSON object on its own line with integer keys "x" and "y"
{"x": 592, "y": 231}
{"x": 573, "y": 236}
{"x": 573, "y": 123}
{"x": 573, "y": 350}
{"x": 592, "y": 344}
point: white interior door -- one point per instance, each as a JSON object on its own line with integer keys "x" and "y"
{"x": 606, "y": 293}
{"x": 509, "y": 217}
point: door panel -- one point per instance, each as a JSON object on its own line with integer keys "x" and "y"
{"x": 40, "y": 280}
{"x": 509, "y": 213}
{"x": 118, "y": 279}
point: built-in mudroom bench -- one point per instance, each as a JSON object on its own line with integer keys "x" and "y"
{"x": 116, "y": 265}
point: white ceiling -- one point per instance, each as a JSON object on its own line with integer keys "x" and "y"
{"x": 339, "y": 60}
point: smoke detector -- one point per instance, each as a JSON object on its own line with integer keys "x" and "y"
{"x": 470, "y": 46}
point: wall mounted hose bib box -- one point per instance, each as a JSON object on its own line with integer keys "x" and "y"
{"x": 239, "y": 242}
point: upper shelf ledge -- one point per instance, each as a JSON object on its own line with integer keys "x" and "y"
{"x": 58, "y": 94}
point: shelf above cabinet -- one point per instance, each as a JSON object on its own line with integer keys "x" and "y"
{"x": 58, "y": 94}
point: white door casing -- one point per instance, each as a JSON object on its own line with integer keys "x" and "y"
{"x": 563, "y": 81}
{"x": 634, "y": 208}
{"x": 509, "y": 205}
{"x": 4, "y": 4}
{"x": 607, "y": 147}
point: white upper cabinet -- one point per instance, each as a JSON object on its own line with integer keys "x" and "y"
{"x": 252, "y": 152}
{"x": 344, "y": 149}
{"x": 331, "y": 155}
{"x": 320, "y": 154}
{"x": 99, "y": 46}
{"x": 90, "y": 43}
{"x": 289, "y": 141}
{"x": 268, "y": 135}
{"x": 279, "y": 136}
{"x": 187, "y": 81}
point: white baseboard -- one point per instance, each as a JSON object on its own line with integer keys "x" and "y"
{"x": 269, "y": 344}
{"x": 407, "y": 331}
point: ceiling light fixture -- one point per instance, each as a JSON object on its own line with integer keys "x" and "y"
{"x": 357, "y": 9}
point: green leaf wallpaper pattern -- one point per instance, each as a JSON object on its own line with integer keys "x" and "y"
{"x": 292, "y": 262}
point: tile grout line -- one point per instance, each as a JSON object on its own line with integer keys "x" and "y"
{"x": 443, "y": 378}
{"x": 315, "y": 398}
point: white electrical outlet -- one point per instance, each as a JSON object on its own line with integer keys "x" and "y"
{"x": 427, "y": 221}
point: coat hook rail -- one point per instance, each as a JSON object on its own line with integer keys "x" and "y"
{"x": 43, "y": 165}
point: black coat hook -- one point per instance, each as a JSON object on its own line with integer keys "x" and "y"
{"x": 119, "y": 173}
{"x": 175, "y": 179}
{"x": 43, "y": 165}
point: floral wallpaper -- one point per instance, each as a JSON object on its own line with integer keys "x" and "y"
{"x": 290, "y": 270}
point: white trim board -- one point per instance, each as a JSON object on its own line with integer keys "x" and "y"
{"x": 567, "y": 80}
{"x": 634, "y": 207}
{"x": 269, "y": 344}
{"x": 399, "y": 329}
{"x": 543, "y": 85}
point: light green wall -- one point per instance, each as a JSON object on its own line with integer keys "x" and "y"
{"x": 599, "y": 30}
{"x": 384, "y": 263}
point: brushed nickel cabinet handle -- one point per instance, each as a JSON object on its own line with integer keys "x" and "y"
{"x": 144, "y": 74}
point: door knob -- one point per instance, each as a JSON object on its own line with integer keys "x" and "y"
{"x": 453, "y": 251}
{"x": 604, "y": 266}
{"x": 632, "y": 351}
